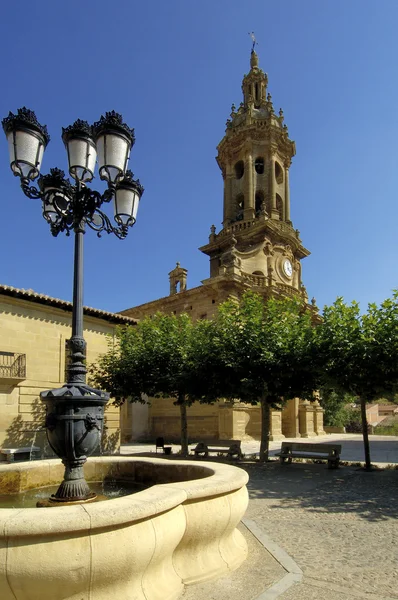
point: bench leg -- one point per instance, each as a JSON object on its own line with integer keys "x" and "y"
{"x": 333, "y": 464}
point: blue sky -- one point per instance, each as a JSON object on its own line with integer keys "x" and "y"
{"x": 173, "y": 69}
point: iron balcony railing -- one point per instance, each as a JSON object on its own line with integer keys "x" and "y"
{"x": 12, "y": 365}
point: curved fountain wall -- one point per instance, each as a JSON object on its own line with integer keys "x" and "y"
{"x": 147, "y": 545}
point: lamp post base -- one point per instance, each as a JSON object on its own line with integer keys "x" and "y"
{"x": 74, "y": 423}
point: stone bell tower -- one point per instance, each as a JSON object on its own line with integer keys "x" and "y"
{"x": 257, "y": 244}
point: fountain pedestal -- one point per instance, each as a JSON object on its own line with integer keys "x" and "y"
{"x": 74, "y": 422}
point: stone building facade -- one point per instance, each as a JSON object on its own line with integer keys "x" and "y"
{"x": 257, "y": 248}
{"x": 34, "y": 329}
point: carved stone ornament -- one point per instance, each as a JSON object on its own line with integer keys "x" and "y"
{"x": 288, "y": 252}
{"x": 268, "y": 249}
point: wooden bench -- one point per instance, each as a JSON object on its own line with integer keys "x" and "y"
{"x": 229, "y": 447}
{"x": 15, "y": 454}
{"x": 329, "y": 452}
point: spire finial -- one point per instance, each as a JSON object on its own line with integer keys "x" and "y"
{"x": 253, "y": 54}
{"x": 253, "y": 38}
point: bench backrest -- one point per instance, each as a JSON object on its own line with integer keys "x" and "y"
{"x": 222, "y": 443}
{"x": 304, "y": 447}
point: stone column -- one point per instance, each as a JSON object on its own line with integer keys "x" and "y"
{"x": 318, "y": 418}
{"x": 275, "y": 426}
{"x": 306, "y": 419}
{"x": 287, "y": 195}
{"x": 234, "y": 421}
{"x": 225, "y": 421}
{"x": 290, "y": 419}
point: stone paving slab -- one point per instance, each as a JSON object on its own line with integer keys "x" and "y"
{"x": 303, "y": 591}
{"x": 340, "y": 527}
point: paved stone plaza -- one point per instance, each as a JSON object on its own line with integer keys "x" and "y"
{"x": 340, "y": 529}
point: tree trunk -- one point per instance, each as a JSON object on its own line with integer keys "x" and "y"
{"x": 265, "y": 422}
{"x": 365, "y": 434}
{"x": 184, "y": 424}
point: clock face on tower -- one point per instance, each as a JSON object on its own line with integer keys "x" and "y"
{"x": 287, "y": 268}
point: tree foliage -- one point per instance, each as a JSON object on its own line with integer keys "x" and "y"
{"x": 336, "y": 406}
{"x": 359, "y": 353}
{"x": 161, "y": 356}
{"x": 263, "y": 352}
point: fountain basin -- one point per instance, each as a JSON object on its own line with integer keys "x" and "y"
{"x": 147, "y": 545}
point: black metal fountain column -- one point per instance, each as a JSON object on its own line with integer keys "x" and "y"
{"x": 75, "y": 412}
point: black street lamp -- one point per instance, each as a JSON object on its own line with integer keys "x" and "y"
{"x": 75, "y": 412}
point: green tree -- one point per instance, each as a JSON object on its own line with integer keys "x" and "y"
{"x": 359, "y": 353}
{"x": 263, "y": 352}
{"x": 335, "y": 405}
{"x": 160, "y": 356}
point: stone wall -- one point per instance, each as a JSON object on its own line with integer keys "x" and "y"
{"x": 39, "y": 332}
{"x": 221, "y": 420}
{"x": 164, "y": 420}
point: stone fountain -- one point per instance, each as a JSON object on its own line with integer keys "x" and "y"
{"x": 144, "y": 546}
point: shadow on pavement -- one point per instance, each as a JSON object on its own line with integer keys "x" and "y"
{"x": 372, "y": 496}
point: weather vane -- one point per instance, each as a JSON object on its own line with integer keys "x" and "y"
{"x": 253, "y": 37}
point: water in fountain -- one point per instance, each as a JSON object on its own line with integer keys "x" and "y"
{"x": 106, "y": 490}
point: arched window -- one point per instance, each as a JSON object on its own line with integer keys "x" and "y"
{"x": 279, "y": 206}
{"x": 259, "y": 165}
{"x": 278, "y": 173}
{"x": 240, "y": 206}
{"x": 259, "y": 201}
{"x": 239, "y": 169}
{"x": 258, "y": 273}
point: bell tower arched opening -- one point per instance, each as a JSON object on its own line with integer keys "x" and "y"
{"x": 240, "y": 207}
{"x": 259, "y": 204}
{"x": 278, "y": 173}
{"x": 239, "y": 169}
{"x": 279, "y": 207}
{"x": 259, "y": 165}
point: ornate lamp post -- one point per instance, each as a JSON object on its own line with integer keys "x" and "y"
{"x": 75, "y": 412}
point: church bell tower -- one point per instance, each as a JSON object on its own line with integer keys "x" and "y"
{"x": 257, "y": 245}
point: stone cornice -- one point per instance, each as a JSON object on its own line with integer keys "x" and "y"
{"x": 251, "y": 230}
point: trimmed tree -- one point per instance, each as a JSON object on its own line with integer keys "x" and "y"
{"x": 263, "y": 352}
{"x": 161, "y": 356}
{"x": 359, "y": 353}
